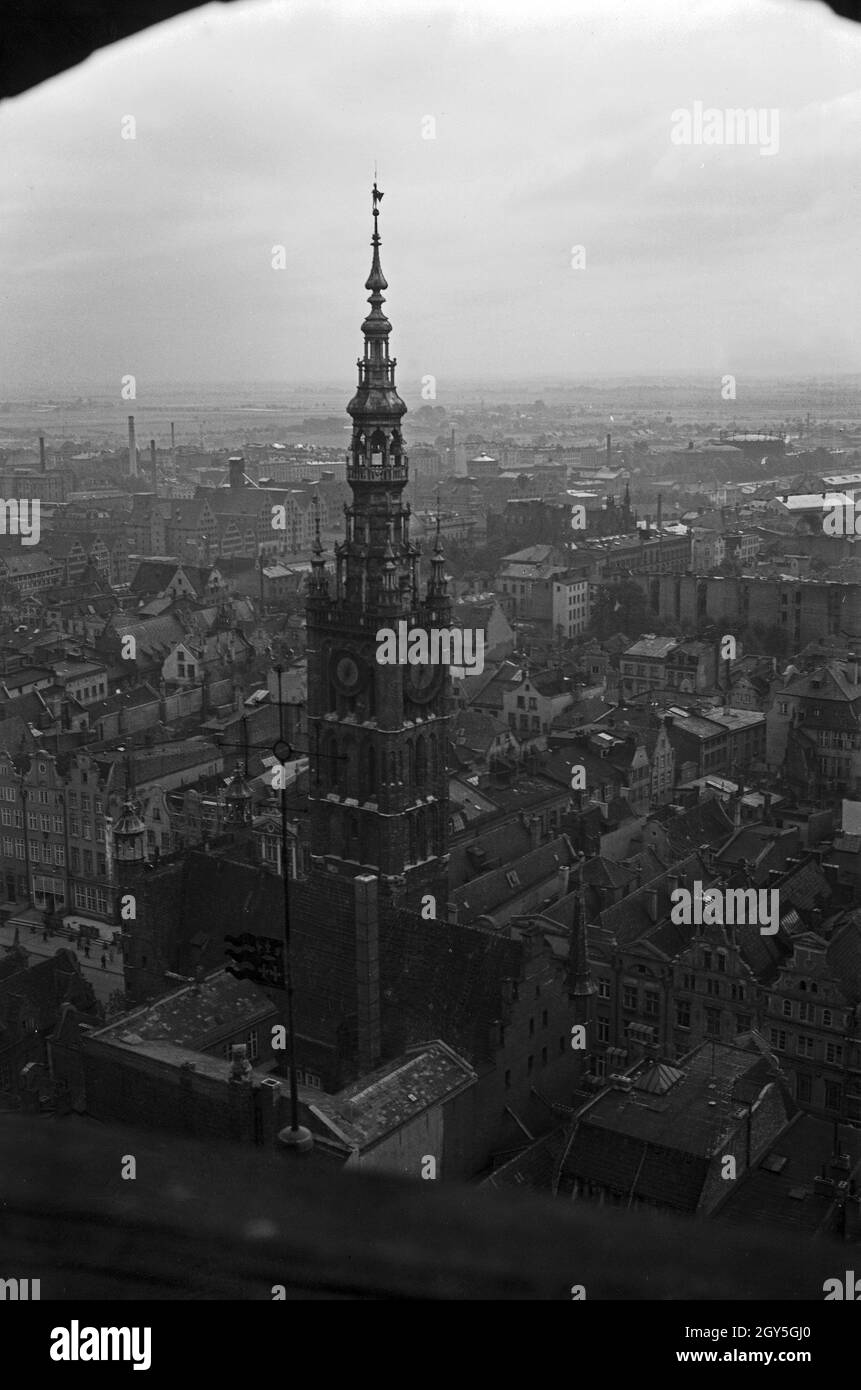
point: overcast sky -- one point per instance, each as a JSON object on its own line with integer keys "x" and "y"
{"x": 257, "y": 125}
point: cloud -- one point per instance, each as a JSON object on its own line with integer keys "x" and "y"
{"x": 258, "y": 125}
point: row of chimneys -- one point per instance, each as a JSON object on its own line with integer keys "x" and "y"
{"x": 133, "y": 453}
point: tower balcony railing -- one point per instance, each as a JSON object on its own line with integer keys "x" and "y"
{"x": 389, "y": 472}
{"x": 376, "y": 373}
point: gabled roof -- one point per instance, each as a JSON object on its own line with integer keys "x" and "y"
{"x": 844, "y": 958}
{"x": 768, "y": 1193}
{"x": 492, "y": 890}
{"x": 705, "y": 823}
{"x": 637, "y": 1148}
{"x": 835, "y": 684}
{"x": 498, "y": 844}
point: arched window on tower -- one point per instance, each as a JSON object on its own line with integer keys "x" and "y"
{"x": 372, "y": 770}
{"x": 336, "y": 833}
{"x": 378, "y": 449}
{"x": 350, "y": 762}
{"x": 331, "y": 763}
{"x": 372, "y": 842}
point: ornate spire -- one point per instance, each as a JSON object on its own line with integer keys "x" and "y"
{"x": 376, "y": 324}
{"x": 438, "y": 584}
{"x": 129, "y": 835}
{"x": 579, "y": 978}
{"x": 319, "y": 581}
{"x": 238, "y": 799}
{"x": 377, "y": 448}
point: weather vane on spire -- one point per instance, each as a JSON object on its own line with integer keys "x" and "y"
{"x": 377, "y": 197}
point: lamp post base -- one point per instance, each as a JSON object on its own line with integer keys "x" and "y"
{"x": 299, "y": 1140}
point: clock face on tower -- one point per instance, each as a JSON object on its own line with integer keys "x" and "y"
{"x": 422, "y": 683}
{"x": 348, "y": 672}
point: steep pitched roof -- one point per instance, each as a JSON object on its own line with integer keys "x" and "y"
{"x": 483, "y": 895}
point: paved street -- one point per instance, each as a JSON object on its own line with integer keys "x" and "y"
{"x": 104, "y": 982}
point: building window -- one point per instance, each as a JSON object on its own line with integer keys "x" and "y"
{"x": 651, "y": 1002}
{"x": 804, "y": 1089}
{"x": 787, "y": 1008}
{"x": 530, "y": 1062}
{"x": 603, "y": 1030}
{"x": 532, "y": 1027}
{"x": 804, "y": 1046}
{"x": 712, "y": 1023}
{"x": 544, "y": 1019}
{"x": 544, "y": 1056}
{"x": 833, "y": 1096}
{"x": 833, "y": 1053}
{"x": 603, "y": 989}
{"x": 508, "y": 1081}
{"x": 805, "y": 1012}
{"x": 827, "y": 1018}
{"x": 629, "y": 997}
{"x": 253, "y": 1045}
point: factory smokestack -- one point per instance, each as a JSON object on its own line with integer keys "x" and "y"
{"x": 152, "y": 465}
{"x": 42, "y": 465}
{"x": 609, "y": 450}
{"x": 660, "y": 510}
{"x": 133, "y": 453}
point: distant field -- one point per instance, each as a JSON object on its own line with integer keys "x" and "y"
{"x": 267, "y": 411}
